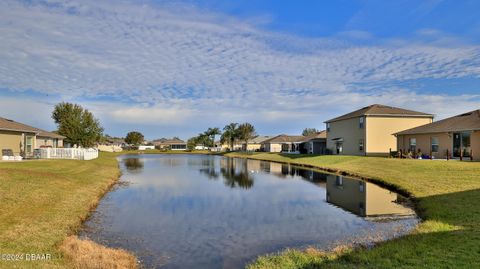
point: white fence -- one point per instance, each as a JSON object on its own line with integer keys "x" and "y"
{"x": 68, "y": 153}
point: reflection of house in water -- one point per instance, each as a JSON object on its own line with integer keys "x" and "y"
{"x": 283, "y": 170}
{"x": 365, "y": 199}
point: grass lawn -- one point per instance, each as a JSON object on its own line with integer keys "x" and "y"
{"x": 448, "y": 199}
{"x": 44, "y": 201}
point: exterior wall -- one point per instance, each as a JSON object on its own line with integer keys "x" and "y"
{"x": 475, "y": 141}
{"x": 11, "y": 140}
{"x": 380, "y": 130}
{"x": 445, "y": 142}
{"x": 351, "y": 133}
{"x": 271, "y": 147}
{"x": 48, "y": 142}
{"x": 16, "y": 142}
{"x": 424, "y": 143}
{"x": 252, "y": 147}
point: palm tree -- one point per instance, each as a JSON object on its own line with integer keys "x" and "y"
{"x": 230, "y": 134}
{"x": 246, "y": 131}
{"x": 211, "y": 133}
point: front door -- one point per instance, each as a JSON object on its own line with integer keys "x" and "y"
{"x": 461, "y": 145}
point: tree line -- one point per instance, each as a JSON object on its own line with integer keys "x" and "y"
{"x": 232, "y": 132}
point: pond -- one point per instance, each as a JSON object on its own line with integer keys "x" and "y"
{"x": 201, "y": 211}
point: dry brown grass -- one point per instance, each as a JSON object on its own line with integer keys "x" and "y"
{"x": 86, "y": 254}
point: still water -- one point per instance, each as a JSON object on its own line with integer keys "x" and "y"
{"x": 200, "y": 211}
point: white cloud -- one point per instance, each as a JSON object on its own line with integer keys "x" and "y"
{"x": 206, "y": 68}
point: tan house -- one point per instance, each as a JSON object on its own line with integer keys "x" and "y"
{"x": 255, "y": 144}
{"x": 21, "y": 139}
{"x": 455, "y": 137}
{"x": 172, "y": 144}
{"x": 46, "y": 139}
{"x": 17, "y": 138}
{"x": 283, "y": 143}
{"x": 369, "y": 131}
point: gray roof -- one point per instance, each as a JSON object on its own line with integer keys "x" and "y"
{"x": 382, "y": 110}
{"x": 469, "y": 121}
{"x": 164, "y": 141}
{"x": 259, "y": 139}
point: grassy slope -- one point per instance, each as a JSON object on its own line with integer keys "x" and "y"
{"x": 448, "y": 195}
{"x": 42, "y": 202}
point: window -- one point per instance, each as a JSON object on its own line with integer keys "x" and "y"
{"x": 29, "y": 144}
{"x": 360, "y": 145}
{"x": 328, "y": 127}
{"x": 339, "y": 181}
{"x": 434, "y": 144}
{"x": 413, "y": 145}
{"x": 362, "y": 120}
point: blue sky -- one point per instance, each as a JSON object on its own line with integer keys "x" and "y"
{"x": 175, "y": 68}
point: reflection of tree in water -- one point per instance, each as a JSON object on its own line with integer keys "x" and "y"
{"x": 234, "y": 177}
{"x": 208, "y": 168}
{"x": 133, "y": 164}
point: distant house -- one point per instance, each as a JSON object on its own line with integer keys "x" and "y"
{"x": 255, "y": 144}
{"x": 315, "y": 144}
{"x": 47, "y": 139}
{"x": 455, "y": 137}
{"x": 21, "y": 139}
{"x": 297, "y": 144}
{"x": 369, "y": 131}
{"x": 172, "y": 144}
{"x": 284, "y": 143}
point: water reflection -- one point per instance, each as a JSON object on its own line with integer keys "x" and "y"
{"x": 235, "y": 173}
{"x": 365, "y": 199}
{"x": 133, "y": 164}
{"x": 195, "y": 211}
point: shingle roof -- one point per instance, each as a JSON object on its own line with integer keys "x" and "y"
{"x": 43, "y": 133}
{"x": 464, "y": 122}
{"x": 381, "y": 110}
{"x": 10, "y": 125}
{"x": 164, "y": 141}
{"x": 285, "y": 139}
{"x": 321, "y": 134}
{"x": 259, "y": 139}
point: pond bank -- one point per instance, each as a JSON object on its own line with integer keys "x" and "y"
{"x": 44, "y": 202}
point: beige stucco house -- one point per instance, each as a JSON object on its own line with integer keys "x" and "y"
{"x": 455, "y": 137}
{"x": 370, "y": 131}
{"x": 45, "y": 139}
{"x": 255, "y": 144}
{"x": 21, "y": 139}
{"x": 283, "y": 143}
{"x": 172, "y": 144}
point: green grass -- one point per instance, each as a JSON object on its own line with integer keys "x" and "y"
{"x": 44, "y": 201}
{"x": 447, "y": 195}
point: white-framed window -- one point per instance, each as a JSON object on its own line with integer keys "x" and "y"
{"x": 328, "y": 127}
{"x": 361, "y": 145}
{"x": 434, "y": 144}
{"x": 361, "y": 122}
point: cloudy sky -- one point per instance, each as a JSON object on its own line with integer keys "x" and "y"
{"x": 174, "y": 68}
